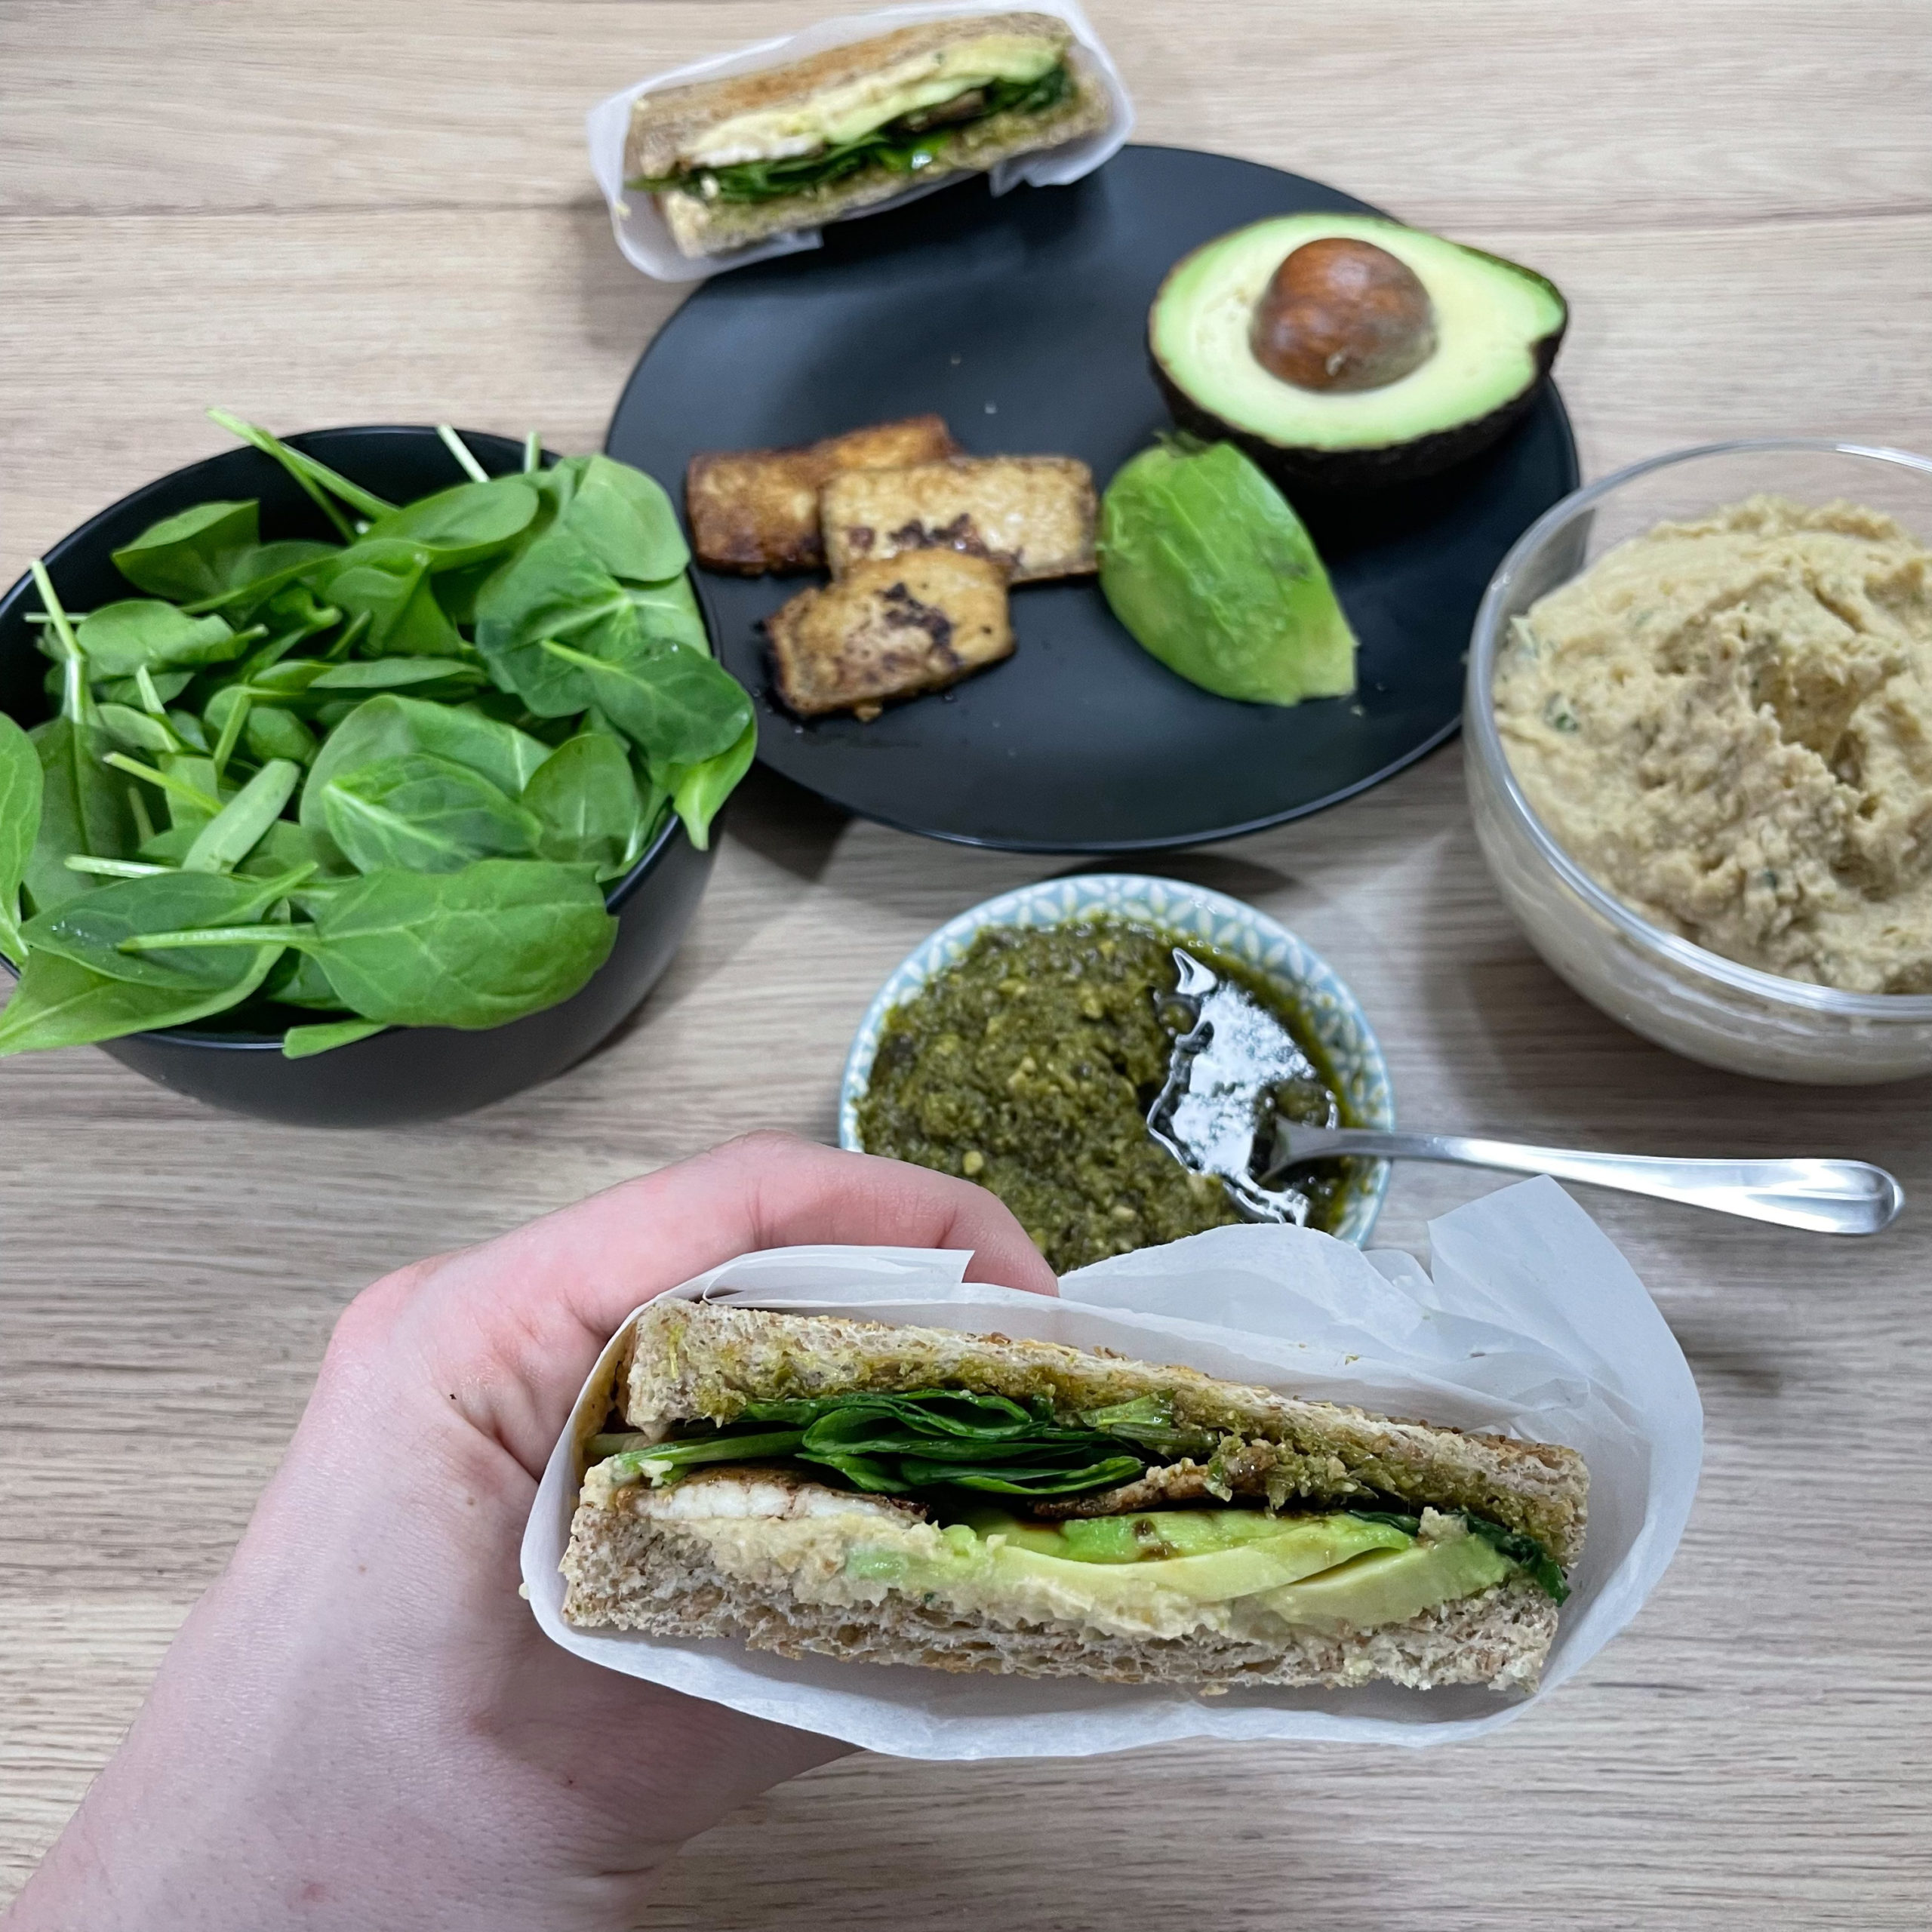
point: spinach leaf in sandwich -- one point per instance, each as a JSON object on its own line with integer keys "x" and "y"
{"x": 899, "y": 147}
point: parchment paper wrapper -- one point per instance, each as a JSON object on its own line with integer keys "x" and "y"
{"x": 1531, "y": 1325}
{"x": 640, "y": 230}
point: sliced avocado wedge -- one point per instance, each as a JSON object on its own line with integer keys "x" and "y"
{"x": 1496, "y": 329}
{"x": 1391, "y": 1585}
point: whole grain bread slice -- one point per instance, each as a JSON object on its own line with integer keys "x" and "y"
{"x": 695, "y": 1361}
{"x": 625, "y": 1570}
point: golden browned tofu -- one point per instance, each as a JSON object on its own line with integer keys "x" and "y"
{"x": 1033, "y": 514}
{"x": 756, "y": 510}
{"x": 891, "y": 627}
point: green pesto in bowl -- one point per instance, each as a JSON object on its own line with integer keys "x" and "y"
{"x": 1030, "y": 1066}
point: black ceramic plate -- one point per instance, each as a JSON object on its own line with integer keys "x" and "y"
{"x": 1023, "y": 321}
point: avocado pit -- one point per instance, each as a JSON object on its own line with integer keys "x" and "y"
{"x": 1341, "y": 314}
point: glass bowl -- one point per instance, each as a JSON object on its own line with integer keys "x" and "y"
{"x": 1692, "y": 1002}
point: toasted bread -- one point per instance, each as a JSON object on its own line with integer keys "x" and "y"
{"x": 888, "y": 629}
{"x": 757, "y": 510}
{"x": 1035, "y": 514}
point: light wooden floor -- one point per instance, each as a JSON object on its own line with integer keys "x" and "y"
{"x": 369, "y": 211}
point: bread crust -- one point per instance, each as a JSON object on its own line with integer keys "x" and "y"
{"x": 701, "y": 228}
{"x": 626, "y": 1571}
{"x": 692, "y": 1361}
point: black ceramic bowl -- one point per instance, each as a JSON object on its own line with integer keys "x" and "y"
{"x": 407, "y": 1073}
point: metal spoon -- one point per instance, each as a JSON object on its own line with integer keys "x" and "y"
{"x": 1215, "y": 1103}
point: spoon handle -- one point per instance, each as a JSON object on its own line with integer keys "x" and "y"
{"x": 1824, "y": 1196}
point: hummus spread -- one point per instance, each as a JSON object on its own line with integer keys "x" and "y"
{"x": 1728, "y": 724}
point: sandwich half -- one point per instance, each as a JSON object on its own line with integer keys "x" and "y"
{"x": 811, "y": 1484}
{"x": 733, "y": 160}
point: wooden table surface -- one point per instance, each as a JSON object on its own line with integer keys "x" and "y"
{"x": 370, "y": 211}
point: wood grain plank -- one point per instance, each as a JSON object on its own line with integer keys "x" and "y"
{"x": 1447, "y": 115}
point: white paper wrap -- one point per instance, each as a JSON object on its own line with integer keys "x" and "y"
{"x": 1532, "y": 1324}
{"x": 640, "y": 230}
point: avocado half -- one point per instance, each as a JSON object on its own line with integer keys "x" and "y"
{"x": 1497, "y": 328}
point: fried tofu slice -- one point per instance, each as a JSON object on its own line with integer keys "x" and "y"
{"x": 757, "y": 510}
{"x": 1033, "y": 513}
{"x": 889, "y": 627}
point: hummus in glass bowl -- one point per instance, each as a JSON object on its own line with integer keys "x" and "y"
{"x": 1669, "y": 701}
{"x": 1728, "y": 722}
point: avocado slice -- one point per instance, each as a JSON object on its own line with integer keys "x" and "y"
{"x": 1204, "y": 562}
{"x": 1391, "y": 1585}
{"x": 1496, "y": 328}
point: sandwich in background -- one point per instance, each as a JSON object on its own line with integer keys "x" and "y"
{"x": 817, "y": 1485}
{"x": 734, "y": 161}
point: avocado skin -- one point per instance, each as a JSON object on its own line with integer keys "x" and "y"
{"x": 1357, "y": 471}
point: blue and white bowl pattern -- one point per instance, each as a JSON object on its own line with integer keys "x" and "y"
{"x": 1308, "y": 985}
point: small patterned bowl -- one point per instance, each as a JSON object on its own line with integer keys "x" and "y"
{"x": 1307, "y": 985}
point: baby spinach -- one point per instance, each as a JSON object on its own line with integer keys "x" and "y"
{"x": 426, "y": 814}
{"x": 327, "y": 845}
{"x": 83, "y": 808}
{"x": 21, "y": 783}
{"x": 586, "y": 805}
{"x": 119, "y": 639}
{"x": 193, "y": 554}
{"x": 59, "y": 1004}
{"x": 389, "y": 726}
{"x": 90, "y": 930}
{"x": 698, "y": 790}
{"x": 239, "y": 826}
{"x": 305, "y": 1042}
{"x": 464, "y": 525}
{"x": 624, "y": 519}
{"x": 679, "y": 707}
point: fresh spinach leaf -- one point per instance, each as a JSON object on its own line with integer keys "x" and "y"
{"x": 135, "y": 731}
{"x": 239, "y": 826}
{"x": 668, "y": 610}
{"x": 388, "y": 583}
{"x": 587, "y": 806}
{"x": 424, "y": 813}
{"x": 503, "y": 938}
{"x": 624, "y": 520}
{"x": 380, "y": 674}
{"x": 287, "y": 847}
{"x": 90, "y": 930}
{"x": 461, "y": 527}
{"x": 388, "y": 726}
{"x": 120, "y": 639}
{"x": 166, "y": 685}
{"x": 555, "y": 591}
{"x": 305, "y": 1042}
{"x": 677, "y": 707}
{"x": 20, "y": 786}
{"x": 59, "y": 1004}
{"x": 271, "y": 732}
{"x": 697, "y": 791}
{"x": 193, "y": 554}
{"x": 84, "y": 809}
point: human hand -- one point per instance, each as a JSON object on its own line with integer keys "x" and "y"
{"x": 361, "y": 1725}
